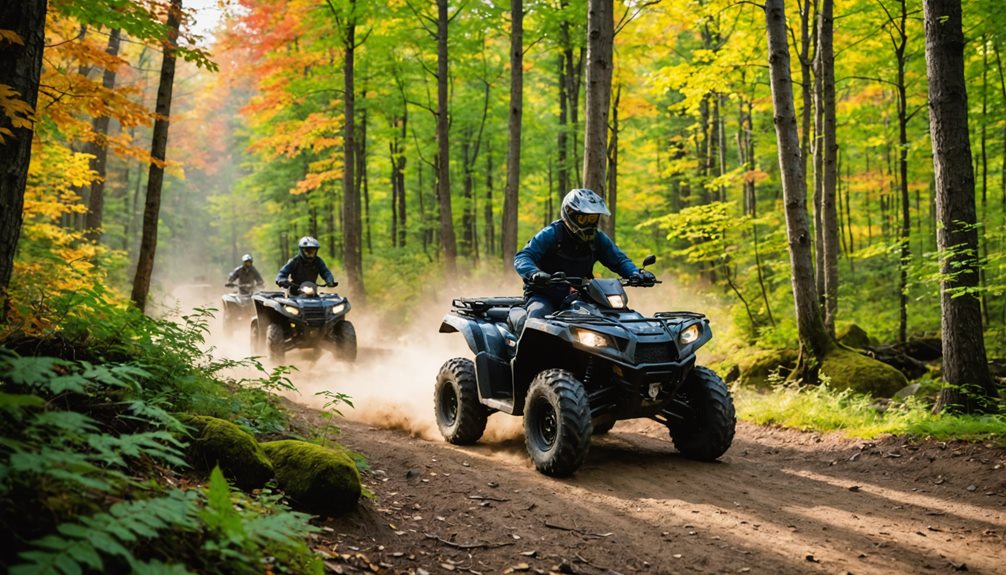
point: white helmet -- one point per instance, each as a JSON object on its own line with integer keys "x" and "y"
{"x": 246, "y": 258}
{"x": 581, "y": 211}
{"x": 307, "y": 243}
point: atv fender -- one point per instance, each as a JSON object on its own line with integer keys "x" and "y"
{"x": 480, "y": 336}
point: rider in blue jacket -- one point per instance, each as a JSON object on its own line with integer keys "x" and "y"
{"x": 305, "y": 266}
{"x": 569, "y": 245}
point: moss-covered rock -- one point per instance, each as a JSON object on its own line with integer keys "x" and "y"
{"x": 216, "y": 441}
{"x": 319, "y": 480}
{"x": 756, "y": 367}
{"x": 853, "y": 336}
{"x": 854, "y": 371}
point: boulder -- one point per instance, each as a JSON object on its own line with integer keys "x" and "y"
{"x": 215, "y": 441}
{"x": 854, "y": 371}
{"x": 853, "y": 336}
{"x": 755, "y": 367}
{"x": 318, "y": 480}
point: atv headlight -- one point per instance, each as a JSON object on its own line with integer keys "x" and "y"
{"x": 291, "y": 310}
{"x": 690, "y": 334}
{"x": 337, "y": 309}
{"x": 592, "y": 338}
{"x": 616, "y": 301}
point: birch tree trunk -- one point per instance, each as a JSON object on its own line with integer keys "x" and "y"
{"x": 968, "y": 387}
{"x": 814, "y": 340}
{"x": 510, "y": 194}
{"x": 20, "y": 69}
{"x": 600, "y": 35}
{"x": 158, "y": 150}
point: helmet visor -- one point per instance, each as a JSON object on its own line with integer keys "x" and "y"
{"x": 310, "y": 252}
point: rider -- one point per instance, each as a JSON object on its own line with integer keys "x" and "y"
{"x": 305, "y": 266}
{"x": 570, "y": 246}
{"x": 246, "y": 274}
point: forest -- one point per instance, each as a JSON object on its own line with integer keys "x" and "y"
{"x": 826, "y": 181}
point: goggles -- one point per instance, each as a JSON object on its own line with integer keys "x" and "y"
{"x": 586, "y": 219}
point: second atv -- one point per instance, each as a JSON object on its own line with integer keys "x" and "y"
{"x": 302, "y": 318}
{"x": 578, "y": 371}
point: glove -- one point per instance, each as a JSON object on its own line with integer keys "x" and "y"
{"x": 283, "y": 283}
{"x": 647, "y": 276}
{"x": 229, "y": 284}
{"x": 559, "y": 276}
{"x": 331, "y": 284}
{"x": 540, "y": 278}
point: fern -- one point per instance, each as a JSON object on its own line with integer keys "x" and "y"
{"x": 90, "y": 541}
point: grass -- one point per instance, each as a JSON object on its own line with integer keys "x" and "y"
{"x": 820, "y": 408}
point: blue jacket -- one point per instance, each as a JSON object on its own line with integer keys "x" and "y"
{"x": 554, "y": 249}
{"x": 300, "y": 269}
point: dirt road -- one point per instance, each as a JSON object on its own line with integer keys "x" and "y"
{"x": 780, "y": 501}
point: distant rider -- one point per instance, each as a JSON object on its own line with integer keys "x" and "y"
{"x": 570, "y": 245}
{"x": 305, "y": 267}
{"x": 246, "y": 275}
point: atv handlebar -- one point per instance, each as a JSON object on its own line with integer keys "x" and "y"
{"x": 561, "y": 279}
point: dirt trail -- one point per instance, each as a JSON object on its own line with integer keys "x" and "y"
{"x": 780, "y": 501}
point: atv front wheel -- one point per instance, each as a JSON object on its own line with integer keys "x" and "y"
{"x": 345, "y": 341}
{"x": 275, "y": 338}
{"x": 460, "y": 416}
{"x": 557, "y": 423}
{"x": 708, "y": 427}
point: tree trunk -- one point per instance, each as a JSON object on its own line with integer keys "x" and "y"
{"x": 609, "y": 222}
{"x": 20, "y": 69}
{"x": 490, "y": 219}
{"x": 99, "y": 149}
{"x": 600, "y": 36}
{"x": 906, "y": 218}
{"x": 562, "y": 139}
{"x": 510, "y": 195}
{"x": 158, "y": 150}
{"x": 968, "y": 387}
{"x": 806, "y": 41}
{"x": 814, "y": 339}
{"x": 829, "y": 214}
{"x": 447, "y": 238}
{"x": 352, "y": 248}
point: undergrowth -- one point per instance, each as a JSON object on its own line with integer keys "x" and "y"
{"x": 821, "y": 408}
{"x": 92, "y": 469}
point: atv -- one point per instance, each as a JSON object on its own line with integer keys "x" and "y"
{"x": 238, "y": 307}
{"x": 302, "y": 318}
{"x": 576, "y": 372}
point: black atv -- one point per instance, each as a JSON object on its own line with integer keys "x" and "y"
{"x": 238, "y": 307}
{"x": 302, "y": 318}
{"x": 578, "y": 371}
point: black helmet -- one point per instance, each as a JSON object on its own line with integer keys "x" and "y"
{"x": 581, "y": 211}
{"x": 308, "y": 247}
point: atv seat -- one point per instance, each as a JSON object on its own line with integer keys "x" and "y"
{"x": 497, "y": 313}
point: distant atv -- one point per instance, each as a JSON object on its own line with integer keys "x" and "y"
{"x": 238, "y": 306}
{"x": 578, "y": 371}
{"x": 303, "y": 318}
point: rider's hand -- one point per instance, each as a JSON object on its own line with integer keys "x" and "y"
{"x": 647, "y": 276}
{"x": 229, "y": 284}
{"x": 283, "y": 283}
{"x": 559, "y": 276}
{"x": 540, "y": 278}
{"x": 332, "y": 284}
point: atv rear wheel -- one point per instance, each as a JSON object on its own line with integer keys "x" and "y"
{"x": 708, "y": 428}
{"x": 460, "y": 416}
{"x": 344, "y": 335}
{"x": 275, "y": 338}
{"x": 557, "y": 423}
